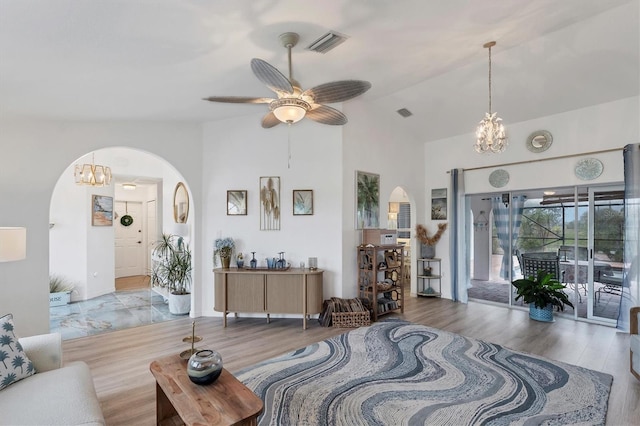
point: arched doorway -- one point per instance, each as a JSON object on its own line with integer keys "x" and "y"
{"x": 399, "y": 218}
{"x": 87, "y": 253}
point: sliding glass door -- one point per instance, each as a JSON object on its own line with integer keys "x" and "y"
{"x": 606, "y": 249}
{"x": 581, "y": 227}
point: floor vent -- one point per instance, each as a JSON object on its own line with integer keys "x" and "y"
{"x": 405, "y": 112}
{"x": 327, "y": 42}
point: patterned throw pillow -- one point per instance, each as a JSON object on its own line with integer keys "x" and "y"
{"x": 14, "y": 364}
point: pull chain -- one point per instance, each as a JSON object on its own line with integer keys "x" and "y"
{"x": 289, "y": 147}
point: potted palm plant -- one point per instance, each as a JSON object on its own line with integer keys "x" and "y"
{"x": 172, "y": 271}
{"x": 542, "y": 292}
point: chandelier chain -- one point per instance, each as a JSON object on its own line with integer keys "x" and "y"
{"x": 489, "y": 79}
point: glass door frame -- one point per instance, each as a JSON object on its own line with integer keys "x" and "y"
{"x": 592, "y": 190}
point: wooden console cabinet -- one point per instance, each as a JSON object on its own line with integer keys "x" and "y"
{"x": 294, "y": 291}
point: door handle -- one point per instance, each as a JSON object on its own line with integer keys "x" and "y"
{"x": 139, "y": 242}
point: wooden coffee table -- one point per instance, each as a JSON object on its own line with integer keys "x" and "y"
{"x": 180, "y": 401}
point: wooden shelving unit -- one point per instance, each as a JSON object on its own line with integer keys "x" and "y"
{"x": 380, "y": 278}
{"x": 429, "y": 275}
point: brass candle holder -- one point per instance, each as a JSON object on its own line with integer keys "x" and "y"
{"x": 186, "y": 354}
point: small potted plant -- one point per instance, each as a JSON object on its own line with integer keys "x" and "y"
{"x": 223, "y": 247}
{"x": 173, "y": 272}
{"x": 542, "y": 292}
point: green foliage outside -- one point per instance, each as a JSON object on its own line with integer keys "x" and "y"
{"x": 541, "y": 230}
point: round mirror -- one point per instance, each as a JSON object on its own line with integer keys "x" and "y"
{"x": 180, "y": 203}
{"x": 539, "y": 141}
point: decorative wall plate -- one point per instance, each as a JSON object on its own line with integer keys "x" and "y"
{"x": 588, "y": 168}
{"x": 539, "y": 141}
{"x": 499, "y": 178}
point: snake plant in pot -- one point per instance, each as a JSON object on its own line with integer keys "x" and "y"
{"x": 172, "y": 271}
{"x": 542, "y": 292}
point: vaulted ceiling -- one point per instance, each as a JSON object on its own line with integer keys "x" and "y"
{"x": 157, "y": 59}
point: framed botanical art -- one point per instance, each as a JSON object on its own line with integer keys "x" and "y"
{"x": 439, "y": 204}
{"x": 236, "y": 202}
{"x": 367, "y": 200}
{"x": 270, "y": 203}
{"x": 101, "y": 210}
{"x": 302, "y": 202}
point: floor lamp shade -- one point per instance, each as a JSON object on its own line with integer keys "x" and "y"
{"x": 13, "y": 244}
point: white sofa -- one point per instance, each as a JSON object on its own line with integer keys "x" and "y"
{"x": 56, "y": 395}
{"x": 635, "y": 342}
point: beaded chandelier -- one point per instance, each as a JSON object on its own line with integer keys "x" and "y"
{"x": 490, "y": 134}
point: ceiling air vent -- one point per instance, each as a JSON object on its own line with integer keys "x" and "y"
{"x": 327, "y": 42}
{"x": 405, "y": 112}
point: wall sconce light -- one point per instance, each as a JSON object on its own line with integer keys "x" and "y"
{"x": 13, "y": 244}
{"x": 505, "y": 199}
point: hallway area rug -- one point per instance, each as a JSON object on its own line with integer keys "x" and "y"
{"x": 396, "y": 372}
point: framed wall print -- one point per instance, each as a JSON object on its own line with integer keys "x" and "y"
{"x": 439, "y": 204}
{"x": 302, "y": 202}
{"x": 101, "y": 210}
{"x": 237, "y": 203}
{"x": 367, "y": 200}
{"x": 270, "y": 203}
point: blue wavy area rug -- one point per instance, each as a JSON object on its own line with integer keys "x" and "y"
{"x": 399, "y": 373}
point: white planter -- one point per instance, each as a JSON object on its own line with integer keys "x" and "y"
{"x": 179, "y": 304}
{"x": 59, "y": 299}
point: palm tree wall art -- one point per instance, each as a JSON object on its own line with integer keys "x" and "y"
{"x": 367, "y": 200}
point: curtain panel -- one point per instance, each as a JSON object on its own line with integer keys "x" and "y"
{"x": 631, "y": 273}
{"x": 459, "y": 246}
{"x": 504, "y": 222}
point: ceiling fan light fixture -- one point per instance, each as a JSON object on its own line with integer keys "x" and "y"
{"x": 289, "y": 110}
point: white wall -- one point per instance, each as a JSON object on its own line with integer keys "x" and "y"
{"x": 34, "y": 155}
{"x": 233, "y": 154}
{"x": 376, "y": 143}
{"x": 602, "y": 127}
{"x": 236, "y": 153}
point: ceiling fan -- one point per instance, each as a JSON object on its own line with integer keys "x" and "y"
{"x": 293, "y": 104}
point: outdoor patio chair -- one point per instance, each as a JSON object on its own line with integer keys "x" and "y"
{"x": 534, "y": 262}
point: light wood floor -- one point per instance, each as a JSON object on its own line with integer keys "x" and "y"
{"x": 120, "y": 360}
{"x": 133, "y": 282}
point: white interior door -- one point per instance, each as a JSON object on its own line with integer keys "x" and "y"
{"x": 130, "y": 251}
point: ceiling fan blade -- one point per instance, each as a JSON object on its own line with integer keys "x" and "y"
{"x": 270, "y": 76}
{"x": 270, "y": 120}
{"x": 239, "y": 100}
{"x": 337, "y": 91}
{"x": 327, "y": 115}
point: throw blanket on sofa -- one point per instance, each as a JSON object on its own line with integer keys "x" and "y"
{"x": 396, "y": 372}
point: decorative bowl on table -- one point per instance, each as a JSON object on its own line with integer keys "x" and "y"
{"x": 204, "y": 367}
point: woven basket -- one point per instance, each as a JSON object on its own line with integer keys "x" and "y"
{"x": 384, "y": 286}
{"x": 350, "y": 319}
